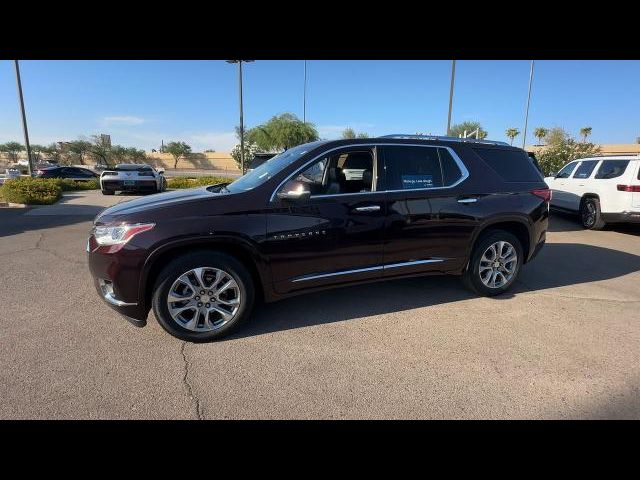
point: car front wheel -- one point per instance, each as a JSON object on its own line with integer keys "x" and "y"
{"x": 203, "y": 296}
{"x": 494, "y": 264}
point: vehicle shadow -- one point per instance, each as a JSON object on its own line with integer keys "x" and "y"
{"x": 567, "y": 222}
{"x": 557, "y": 265}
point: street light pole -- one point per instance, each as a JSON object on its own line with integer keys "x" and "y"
{"x": 241, "y": 117}
{"x": 453, "y": 77}
{"x": 239, "y": 62}
{"x": 526, "y": 115}
{"x": 304, "y": 96}
{"x": 24, "y": 117}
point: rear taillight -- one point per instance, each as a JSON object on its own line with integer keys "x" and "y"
{"x": 629, "y": 188}
{"x": 543, "y": 193}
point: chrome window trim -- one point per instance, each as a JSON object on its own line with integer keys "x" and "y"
{"x": 305, "y": 278}
{"x": 454, "y": 155}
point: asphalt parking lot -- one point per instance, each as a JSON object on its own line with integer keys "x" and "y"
{"x": 564, "y": 344}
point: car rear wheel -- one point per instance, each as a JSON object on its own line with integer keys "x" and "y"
{"x": 203, "y": 296}
{"x": 590, "y": 214}
{"x": 108, "y": 192}
{"x": 495, "y": 263}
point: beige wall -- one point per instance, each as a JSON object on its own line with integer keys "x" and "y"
{"x": 605, "y": 148}
{"x": 208, "y": 161}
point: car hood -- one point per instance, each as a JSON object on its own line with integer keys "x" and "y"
{"x": 159, "y": 200}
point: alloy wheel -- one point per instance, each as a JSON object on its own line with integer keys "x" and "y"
{"x": 204, "y": 299}
{"x": 498, "y": 264}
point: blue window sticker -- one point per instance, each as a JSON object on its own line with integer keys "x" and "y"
{"x": 417, "y": 181}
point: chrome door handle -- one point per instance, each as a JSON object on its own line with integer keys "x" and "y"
{"x": 369, "y": 208}
{"x": 468, "y": 200}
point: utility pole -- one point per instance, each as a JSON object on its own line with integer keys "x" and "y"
{"x": 526, "y": 115}
{"x": 24, "y": 117}
{"x": 453, "y": 77}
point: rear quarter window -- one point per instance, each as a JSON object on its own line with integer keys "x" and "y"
{"x": 612, "y": 168}
{"x": 511, "y": 165}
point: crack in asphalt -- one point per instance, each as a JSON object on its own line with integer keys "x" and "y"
{"x": 187, "y": 385}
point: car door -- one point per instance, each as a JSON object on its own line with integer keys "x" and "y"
{"x": 335, "y": 234}
{"x": 558, "y": 185}
{"x": 430, "y": 217}
{"x": 578, "y": 184}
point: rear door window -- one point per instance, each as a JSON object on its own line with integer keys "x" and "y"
{"x": 585, "y": 169}
{"x": 411, "y": 168}
{"x": 511, "y": 165}
{"x": 612, "y": 168}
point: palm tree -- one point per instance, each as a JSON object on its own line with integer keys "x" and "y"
{"x": 512, "y": 133}
{"x": 585, "y": 132}
{"x": 540, "y": 133}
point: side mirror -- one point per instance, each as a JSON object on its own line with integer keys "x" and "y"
{"x": 161, "y": 171}
{"x": 294, "y": 191}
{"x": 553, "y": 174}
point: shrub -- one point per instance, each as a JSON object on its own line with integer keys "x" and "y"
{"x": 184, "y": 182}
{"x": 68, "y": 185}
{"x": 31, "y": 191}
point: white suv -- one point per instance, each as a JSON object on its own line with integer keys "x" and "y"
{"x": 602, "y": 189}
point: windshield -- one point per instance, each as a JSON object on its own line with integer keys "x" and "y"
{"x": 270, "y": 168}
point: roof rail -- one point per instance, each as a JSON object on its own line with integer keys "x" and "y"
{"x": 617, "y": 154}
{"x": 443, "y": 138}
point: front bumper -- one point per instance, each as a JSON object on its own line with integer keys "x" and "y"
{"x": 116, "y": 278}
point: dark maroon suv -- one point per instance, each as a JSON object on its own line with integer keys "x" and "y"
{"x": 320, "y": 215}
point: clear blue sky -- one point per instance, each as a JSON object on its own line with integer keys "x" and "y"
{"x": 141, "y": 103}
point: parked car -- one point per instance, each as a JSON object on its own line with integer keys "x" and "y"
{"x": 10, "y": 173}
{"x": 601, "y": 190}
{"x": 132, "y": 177}
{"x": 72, "y": 173}
{"x": 423, "y": 205}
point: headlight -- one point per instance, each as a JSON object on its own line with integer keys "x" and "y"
{"x": 119, "y": 234}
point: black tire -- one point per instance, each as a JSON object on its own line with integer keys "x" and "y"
{"x": 108, "y": 192}
{"x": 184, "y": 263}
{"x": 471, "y": 277}
{"x": 590, "y": 214}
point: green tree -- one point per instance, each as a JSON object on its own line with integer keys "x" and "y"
{"x": 250, "y": 149}
{"x": 118, "y": 154}
{"x": 136, "y": 155}
{"x": 555, "y": 156}
{"x": 540, "y": 133}
{"x": 637, "y": 139}
{"x": 177, "y": 150}
{"x": 512, "y": 133}
{"x": 585, "y": 132}
{"x": 37, "y": 151}
{"x": 282, "y": 132}
{"x": 351, "y": 133}
{"x": 470, "y": 126}
{"x": 12, "y": 149}
{"x": 79, "y": 148}
{"x": 556, "y": 135}
{"x": 348, "y": 133}
{"x": 100, "y": 150}
{"x": 53, "y": 152}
